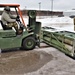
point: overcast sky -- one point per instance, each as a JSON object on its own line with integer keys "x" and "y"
{"x": 45, "y": 4}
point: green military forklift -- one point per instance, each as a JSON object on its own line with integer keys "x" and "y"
{"x": 30, "y": 36}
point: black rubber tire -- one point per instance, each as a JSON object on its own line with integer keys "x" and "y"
{"x": 29, "y": 43}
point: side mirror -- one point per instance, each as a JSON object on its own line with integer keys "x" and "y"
{"x": 32, "y": 14}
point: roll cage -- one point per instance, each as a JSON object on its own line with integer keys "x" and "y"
{"x": 17, "y": 9}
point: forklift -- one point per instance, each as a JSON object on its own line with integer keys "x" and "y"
{"x": 30, "y": 37}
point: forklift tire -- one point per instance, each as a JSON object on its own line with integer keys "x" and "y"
{"x": 29, "y": 43}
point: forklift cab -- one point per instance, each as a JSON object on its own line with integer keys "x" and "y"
{"x": 8, "y": 31}
{"x": 14, "y": 10}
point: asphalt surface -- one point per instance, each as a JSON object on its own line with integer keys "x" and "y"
{"x": 40, "y": 61}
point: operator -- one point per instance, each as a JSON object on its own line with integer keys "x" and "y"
{"x": 9, "y": 19}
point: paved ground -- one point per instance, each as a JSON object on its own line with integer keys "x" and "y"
{"x": 40, "y": 61}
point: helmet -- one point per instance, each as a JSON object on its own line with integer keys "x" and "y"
{"x": 7, "y": 8}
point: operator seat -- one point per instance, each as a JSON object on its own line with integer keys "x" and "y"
{"x": 5, "y": 27}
